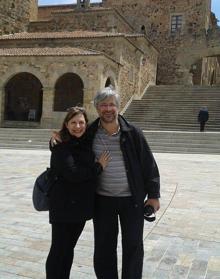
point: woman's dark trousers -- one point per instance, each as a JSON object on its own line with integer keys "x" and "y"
{"x": 60, "y": 258}
{"x": 107, "y": 212}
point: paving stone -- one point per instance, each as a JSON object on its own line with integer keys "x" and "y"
{"x": 179, "y": 272}
{"x": 183, "y": 243}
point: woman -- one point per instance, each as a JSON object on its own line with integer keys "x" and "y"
{"x": 72, "y": 197}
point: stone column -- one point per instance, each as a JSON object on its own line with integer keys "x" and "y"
{"x": 47, "y": 107}
{"x": 87, "y": 3}
{"x": 83, "y": 4}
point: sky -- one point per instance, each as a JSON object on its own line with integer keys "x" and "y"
{"x": 215, "y": 4}
{"x": 216, "y": 9}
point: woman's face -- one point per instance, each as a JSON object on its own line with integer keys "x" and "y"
{"x": 76, "y": 125}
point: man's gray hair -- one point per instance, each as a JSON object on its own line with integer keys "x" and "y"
{"x": 106, "y": 93}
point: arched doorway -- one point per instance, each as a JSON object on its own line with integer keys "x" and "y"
{"x": 68, "y": 92}
{"x": 23, "y": 98}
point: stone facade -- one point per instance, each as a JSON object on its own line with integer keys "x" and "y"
{"x": 193, "y": 21}
{"x": 129, "y": 44}
{"x": 112, "y": 57}
{"x": 155, "y": 17}
{"x": 47, "y": 70}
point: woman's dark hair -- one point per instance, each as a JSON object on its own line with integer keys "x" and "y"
{"x": 73, "y": 111}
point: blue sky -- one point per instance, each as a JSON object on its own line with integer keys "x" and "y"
{"x": 215, "y": 4}
{"x": 216, "y": 8}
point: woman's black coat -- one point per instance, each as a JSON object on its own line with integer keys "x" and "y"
{"x": 72, "y": 197}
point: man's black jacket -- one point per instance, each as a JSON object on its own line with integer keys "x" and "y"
{"x": 142, "y": 171}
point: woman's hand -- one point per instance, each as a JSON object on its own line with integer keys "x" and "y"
{"x": 104, "y": 159}
{"x": 55, "y": 138}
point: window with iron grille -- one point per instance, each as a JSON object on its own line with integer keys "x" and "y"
{"x": 176, "y": 23}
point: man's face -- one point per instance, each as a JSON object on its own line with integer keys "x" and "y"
{"x": 108, "y": 110}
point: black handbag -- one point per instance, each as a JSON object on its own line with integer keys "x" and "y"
{"x": 42, "y": 187}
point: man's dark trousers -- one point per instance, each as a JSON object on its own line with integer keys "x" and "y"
{"x": 202, "y": 126}
{"x": 107, "y": 211}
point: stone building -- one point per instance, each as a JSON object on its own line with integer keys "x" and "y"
{"x": 55, "y": 57}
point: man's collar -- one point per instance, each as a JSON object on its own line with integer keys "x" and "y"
{"x": 123, "y": 124}
{"x": 101, "y": 127}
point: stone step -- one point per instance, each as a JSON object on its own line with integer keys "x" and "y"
{"x": 179, "y": 88}
{"x": 24, "y": 138}
{"x": 158, "y": 90}
{"x": 174, "y": 121}
{"x": 175, "y": 108}
{"x": 183, "y": 142}
{"x": 177, "y": 128}
{"x": 147, "y": 117}
{"x": 184, "y": 134}
{"x": 178, "y": 100}
{"x": 159, "y": 122}
{"x": 184, "y": 150}
{"x": 24, "y": 146}
{"x": 159, "y": 141}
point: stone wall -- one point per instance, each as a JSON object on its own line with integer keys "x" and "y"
{"x": 154, "y": 18}
{"x": 15, "y": 15}
{"x": 200, "y": 47}
{"x": 33, "y": 10}
{"x": 45, "y": 12}
{"x": 210, "y": 71}
{"x": 148, "y": 70}
{"x": 106, "y": 20}
{"x": 155, "y": 14}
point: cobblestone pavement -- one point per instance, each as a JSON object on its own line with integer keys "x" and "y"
{"x": 184, "y": 242}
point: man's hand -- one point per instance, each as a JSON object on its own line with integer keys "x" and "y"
{"x": 153, "y": 202}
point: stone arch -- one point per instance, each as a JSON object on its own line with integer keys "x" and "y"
{"x": 23, "y": 98}
{"x": 23, "y": 68}
{"x": 63, "y": 69}
{"x": 69, "y": 91}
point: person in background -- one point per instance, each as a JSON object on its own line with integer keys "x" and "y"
{"x": 72, "y": 197}
{"x": 128, "y": 183}
{"x": 203, "y": 117}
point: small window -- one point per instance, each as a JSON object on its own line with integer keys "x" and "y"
{"x": 176, "y": 23}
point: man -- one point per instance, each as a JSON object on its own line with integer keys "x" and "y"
{"x": 203, "y": 117}
{"x": 130, "y": 177}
